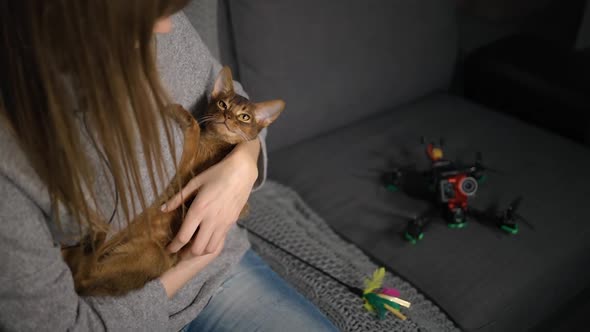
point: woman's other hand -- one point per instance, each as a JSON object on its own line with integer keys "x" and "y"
{"x": 188, "y": 266}
{"x": 223, "y": 190}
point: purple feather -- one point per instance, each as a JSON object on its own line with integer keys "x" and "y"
{"x": 390, "y": 291}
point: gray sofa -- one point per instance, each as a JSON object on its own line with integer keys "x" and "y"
{"x": 363, "y": 80}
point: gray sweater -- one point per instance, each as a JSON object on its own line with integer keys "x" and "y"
{"x": 36, "y": 287}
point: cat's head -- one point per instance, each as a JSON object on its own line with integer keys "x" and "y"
{"x": 233, "y": 118}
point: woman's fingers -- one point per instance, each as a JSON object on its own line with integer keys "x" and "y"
{"x": 191, "y": 222}
{"x": 186, "y": 192}
{"x": 204, "y": 236}
{"x": 186, "y": 254}
{"x": 216, "y": 239}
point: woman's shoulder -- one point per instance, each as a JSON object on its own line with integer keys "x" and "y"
{"x": 17, "y": 174}
{"x": 184, "y": 63}
{"x": 14, "y": 165}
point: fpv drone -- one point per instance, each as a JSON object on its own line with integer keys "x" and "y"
{"x": 450, "y": 185}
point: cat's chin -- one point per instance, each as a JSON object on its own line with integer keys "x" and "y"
{"x": 234, "y": 140}
{"x": 224, "y": 133}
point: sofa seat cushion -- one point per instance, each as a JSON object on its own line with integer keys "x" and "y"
{"x": 484, "y": 279}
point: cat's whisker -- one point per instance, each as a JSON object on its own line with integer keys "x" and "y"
{"x": 208, "y": 116}
{"x": 206, "y": 119}
{"x": 243, "y": 134}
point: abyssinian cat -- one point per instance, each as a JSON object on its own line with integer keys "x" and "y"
{"x": 137, "y": 254}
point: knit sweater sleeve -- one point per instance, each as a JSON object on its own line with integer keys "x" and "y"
{"x": 184, "y": 26}
{"x": 36, "y": 287}
{"x": 262, "y": 157}
{"x": 185, "y": 62}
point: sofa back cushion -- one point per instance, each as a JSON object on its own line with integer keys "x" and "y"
{"x": 335, "y": 62}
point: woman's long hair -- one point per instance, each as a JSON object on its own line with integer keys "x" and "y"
{"x": 63, "y": 58}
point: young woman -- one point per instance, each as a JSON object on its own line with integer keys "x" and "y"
{"x": 82, "y": 134}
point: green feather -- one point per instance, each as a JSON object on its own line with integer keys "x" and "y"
{"x": 378, "y": 304}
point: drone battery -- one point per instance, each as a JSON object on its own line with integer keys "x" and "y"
{"x": 447, "y": 190}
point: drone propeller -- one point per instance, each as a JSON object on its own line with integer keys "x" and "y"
{"x": 515, "y": 204}
{"x": 441, "y": 141}
{"x": 479, "y": 161}
{"x": 511, "y": 215}
{"x": 480, "y": 167}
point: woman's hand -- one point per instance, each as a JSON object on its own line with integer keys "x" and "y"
{"x": 223, "y": 190}
{"x": 188, "y": 266}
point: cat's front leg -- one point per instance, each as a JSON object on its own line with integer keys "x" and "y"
{"x": 128, "y": 267}
{"x": 183, "y": 117}
{"x": 192, "y": 136}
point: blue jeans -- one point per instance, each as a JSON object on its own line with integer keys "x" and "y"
{"x": 255, "y": 298}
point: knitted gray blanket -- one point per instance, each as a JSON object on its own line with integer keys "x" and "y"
{"x": 280, "y": 215}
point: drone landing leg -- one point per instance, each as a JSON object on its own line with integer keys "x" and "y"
{"x": 415, "y": 230}
{"x": 510, "y": 228}
{"x": 456, "y": 218}
{"x": 509, "y": 217}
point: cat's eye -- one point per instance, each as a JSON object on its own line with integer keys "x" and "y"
{"x": 222, "y": 105}
{"x": 244, "y": 117}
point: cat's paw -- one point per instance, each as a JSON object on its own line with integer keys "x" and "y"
{"x": 183, "y": 117}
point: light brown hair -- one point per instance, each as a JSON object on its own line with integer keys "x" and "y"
{"x": 103, "y": 51}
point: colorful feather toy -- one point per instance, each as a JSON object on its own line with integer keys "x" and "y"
{"x": 382, "y": 300}
{"x": 375, "y": 297}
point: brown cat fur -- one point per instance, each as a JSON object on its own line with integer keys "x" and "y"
{"x": 137, "y": 254}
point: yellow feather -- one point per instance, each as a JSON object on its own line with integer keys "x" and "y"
{"x": 369, "y": 307}
{"x": 376, "y": 281}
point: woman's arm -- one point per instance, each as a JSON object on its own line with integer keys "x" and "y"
{"x": 189, "y": 266}
{"x": 224, "y": 188}
{"x": 255, "y": 148}
{"x": 36, "y": 286}
{"x": 248, "y": 152}
{"x": 188, "y": 71}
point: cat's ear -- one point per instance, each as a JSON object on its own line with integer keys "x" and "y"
{"x": 224, "y": 84}
{"x": 268, "y": 111}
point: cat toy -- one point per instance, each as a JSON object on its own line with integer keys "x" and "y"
{"x": 383, "y": 299}
{"x": 376, "y": 299}
{"x": 449, "y": 186}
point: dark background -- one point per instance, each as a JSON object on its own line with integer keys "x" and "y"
{"x": 530, "y": 59}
